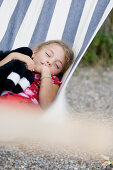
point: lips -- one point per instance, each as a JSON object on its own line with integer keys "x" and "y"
{"x": 41, "y": 62}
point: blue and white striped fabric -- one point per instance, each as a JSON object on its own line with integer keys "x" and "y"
{"x": 27, "y": 23}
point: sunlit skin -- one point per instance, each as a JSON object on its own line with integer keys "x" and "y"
{"x": 48, "y": 60}
{"x": 51, "y": 56}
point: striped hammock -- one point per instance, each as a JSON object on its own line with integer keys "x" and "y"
{"x": 27, "y": 23}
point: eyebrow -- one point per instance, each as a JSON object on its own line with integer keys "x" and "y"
{"x": 51, "y": 51}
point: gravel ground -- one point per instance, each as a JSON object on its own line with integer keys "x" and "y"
{"x": 92, "y": 91}
{"x": 89, "y": 92}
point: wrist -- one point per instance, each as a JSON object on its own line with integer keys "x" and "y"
{"x": 44, "y": 77}
{"x": 12, "y": 56}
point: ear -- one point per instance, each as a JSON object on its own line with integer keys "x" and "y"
{"x": 34, "y": 53}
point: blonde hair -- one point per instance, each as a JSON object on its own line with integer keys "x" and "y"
{"x": 69, "y": 54}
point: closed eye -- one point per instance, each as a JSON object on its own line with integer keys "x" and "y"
{"x": 47, "y": 54}
{"x": 57, "y": 66}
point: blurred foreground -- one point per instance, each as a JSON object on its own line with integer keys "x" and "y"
{"x": 31, "y": 140}
{"x": 85, "y": 134}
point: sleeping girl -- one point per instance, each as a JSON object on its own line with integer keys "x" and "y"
{"x": 49, "y": 62}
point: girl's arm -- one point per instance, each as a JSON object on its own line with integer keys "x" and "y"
{"x": 18, "y": 56}
{"x": 48, "y": 90}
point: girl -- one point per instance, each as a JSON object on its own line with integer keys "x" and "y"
{"x": 49, "y": 61}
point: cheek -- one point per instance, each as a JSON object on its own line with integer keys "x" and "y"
{"x": 53, "y": 70}
{"x": 36, "y": 59}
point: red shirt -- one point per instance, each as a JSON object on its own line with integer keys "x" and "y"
{"x": 32, "y": 92}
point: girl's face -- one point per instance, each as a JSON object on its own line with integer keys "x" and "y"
{"x": 51, "y": 55}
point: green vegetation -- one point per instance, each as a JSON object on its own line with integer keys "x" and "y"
{"x": 101, "y": 49}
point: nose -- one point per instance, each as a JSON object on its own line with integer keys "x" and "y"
{"x": 48, "y": 63}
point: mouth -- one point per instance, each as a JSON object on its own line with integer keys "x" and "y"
{"x": 41, "y": 62}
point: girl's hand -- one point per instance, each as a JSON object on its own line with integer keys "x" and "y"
{"x": 48, "y": 90}
{"x": 38, "y": 68}
{"x": 43, "y": 69}
{"x": 18, "y": 56}
{"x": 25, "y": 58}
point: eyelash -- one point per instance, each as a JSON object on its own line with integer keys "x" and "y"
{"x": 47, "y": 54}
{"x": 57, "y": 66}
